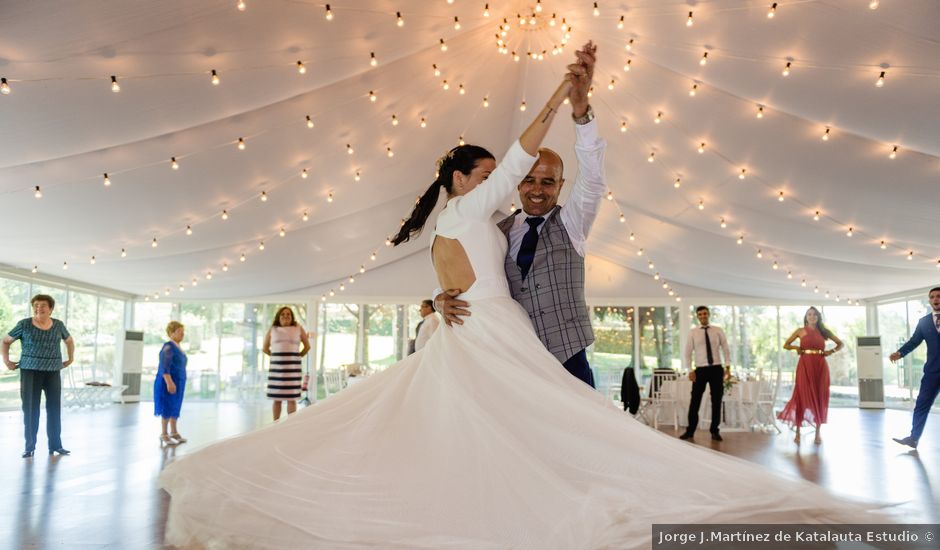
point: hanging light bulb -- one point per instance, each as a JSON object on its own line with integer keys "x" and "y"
{"x": 461, "y": 90}
{"x": 309, "y": 122}
{"x": 910, "y": 255}
{"x": 37, "y": 193}
{"x": 372, "y": 97}
{"x": 301, "y": 68}
{"x": 282, "y": 232}
{"x": 740, "y": 239}
{"x": 241, "y": 5}
{"x": 349, "y": 149}
{"x": 678, "y": 183}
{"x": 362, "y": 269}
{"x": 626, "y": 66}
{"x": 780, "y": 196}
{"x": 189, "y": 230}
{"x": 825, "y": 136}
{"x": 225, "y": 214}
{"x": 704, "y": 60}
{"x": 701, "y": 204}
{"x": 486, "y": 10}
{"x": 743, "y": 174}
{"x": 398, "y": 19}
{"x": 486, "y": 101}
{"x": 195, "y": 282}
{"x": 242, "y": 257}
{"x": 786, "y": 69}
{"x": 850, "y": 232}
{"x": 652, "y": 157}
{"x": 264, "y": 196}
{"x": 659, "y": 118}
{"x": 460, "y": 141}
{"x": 884, "y": 245}
{"x": 803, "y": 283}
{"x": 894, "y": 153}
{"x": 423, "y": 122}
{"x": 35, "y": 269}
{"x": 629, "y": 46}
{"x": 693, "y": 90}
{"x": 873, "y": 5}
{"x": 329, "y": 197}
{"x": 241, "y": 144}
{"x": 650, "y": 265}
{"x": 772, "y": 11}
{"x": 4, "y": 87}
{"x": 760, "y": 111}
{"x": 329, "y": 13}
{"x": 597, "y": 12}
{"x": 690, "y": 21}
{"x": 775, "y": 266}
{"x": 208, "y": 275}
{"x": 881, "y": 80}
{"x": 214, "y": 78}
{"x": 372, "y": 60}
{"x": 305, "y": 216}
{"x": 115, "y": 87}
{"x": 760, "y": 254}
{"x": 261, "y": 245}
{"x": 65, "y": 265}
{"x": 389, "y": 152}
{"x": 92, "y": 260}
{"x": 722, "y": 223}
{"x": 816, "y": 216}
{"x": 623, "y": 219}
{"x": 445, "y": 85}
{"x": 372, "y": 256}
{"x": 225, "y": 266}
{"x": 639, "y": 252}
{"x": 456, "y": 23}
{"x": 789, "y": 274}
{"x": 701, "y": 147}
{"x": 522, "y": 106}
{"x": 173, "y": 164}
{"x": 632, "y": 236}
{"x": 357, "y": 177}
{"x": 623, "y": 126}
{"x": 304, "y": 174}
{"x": 153, "y": 243}
{"x": 107, "y": 180}
{"x": 620, "y": 23}
{"x": 443, "y": 45}
{"x": 610, "y": 195}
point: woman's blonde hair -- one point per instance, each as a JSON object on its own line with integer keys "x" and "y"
{"x": 172, "y": 326}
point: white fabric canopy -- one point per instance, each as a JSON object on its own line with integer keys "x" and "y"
{"x": 62, "y": 129}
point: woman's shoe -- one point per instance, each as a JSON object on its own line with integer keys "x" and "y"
{"x": 179, "y": 438}
{"x": 60, "y": 451}
{"x": 166, "y": 440}
{"x": 28, "y": 454}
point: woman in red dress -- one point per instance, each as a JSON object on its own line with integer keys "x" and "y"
{"x": 810, "y": 400}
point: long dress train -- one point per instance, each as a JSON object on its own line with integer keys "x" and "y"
{"x": 481, "y": 440}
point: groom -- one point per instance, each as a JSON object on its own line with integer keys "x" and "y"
{"x": 545, "y": 258}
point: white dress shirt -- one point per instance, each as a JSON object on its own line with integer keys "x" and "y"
{"x": 427, "y": 328}
{"x": 583, "y": 204}
{"x": 696, "y": 344}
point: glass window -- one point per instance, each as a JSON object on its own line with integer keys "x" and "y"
{"x": 612, "y": 350}
{"x": 892, "y": 324}
{"x": 382, "y": 347}
{"x": 756, "y": 333}
{"x": 152, "y": 318}
{"x": 14, "y": 305}
{"x": 242, "y": 373}
{"x": 201, "y": 345}
{"x": 110, "y": 327}
{"x": 81, "y": 323}
{"x": 847, "y": 323}
{"x": 658, "y": 337}
{"x": 339, "y": 338}
{"x": 916, "y": 308}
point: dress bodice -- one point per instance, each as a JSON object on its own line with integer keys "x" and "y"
{"x": 812, "y": 339}
{"x": 285, "y": 339}
{"x": 467, "y": 219}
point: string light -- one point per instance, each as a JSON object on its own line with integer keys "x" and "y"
{"x": 195, "y": 282}
{"x": 775, "y": 266}
{"x": 281, "y": 232}
{"x": 37, "y": 193}
{"x": 461, "y": 90}
{"x": 894, "y": 153}
{"x": 372, "y": 257}
{"x": 678, "y": 183}
{"x": 910, "y": 255}
{"x": 4, "y": 87}
{"x": 123, "y": 253}
{"x": 301, "y": 68}
{"x": 486, "y": 101}
{"x": 659, "y": 118}
{"x": 522, "y": 106}
{"x": 623, "y": 126}
{"x": 623, "y": 219}
{"x": 786, "y": 69}
{"x": 261, "y": 245}
{"x": 620, "y": 23}
{"x": 264, "y": 196}
{"x": 115, "y": 87}
{"x": 701, "y": 204}
{"x": 329, "y": 13}
{"x": 881, "y": 80}
{"x": 305, "y": 217}
{"x": 423, "y": 123}
{"x": 173, "y": 164}
{"x": 242, "y": 257}
{"x": 611, "y": 85}
{"x": 208, "y": 275}
{"x": 241, "y": 144}
{"x": 772, "y": 11}
{"x": 445, "y": 85}
{"x": 632, "y": 237}
{"x": 816, "y": 216}
{"x": 693, "y": 90}
{"x": 701, "y": 148}
{"x": 189, "y": 230}
{"x": 626, "y": 66}
{"x": 803, "y": 283}
{"x": 362, "y": 269}
{"x": 722, "y": 223}
{"x": 486, "y": 10}
{"x": 597, "y": 12}
{"x": 399, "y": 21}
{"x": 850, "y": 232}
{"x": 639, "y": 252}
{"x": 65, "y": 265}
{"x": 760, "y": 112}
{"x": 825, "y": 136}
{"x": 35, "y": 269}
{"x": 743, "y": 174}
{"x": 629, "y": 46}
{"x": 780, "y": 196}
{"x": 460, "y": 141}
{"x": 357, "y": 177}
{"x": 372, "y": 60}
{"x": 241, "y": 5}
{"x": 107, "y": 180}
{"x": 153, "y": 243}
{"x": 650, "y": 265}
{"x": 389, "y": 152}
{"x": 304, "y": 174}
{"x": 740, "y": 239}
{"x": 225, "y": 266}
{"x": 652, "y": 157}
{"x": 443, "y": 45}
{"x": 456, "y": 23}
{"x": 789, "y": 274}
{"x": 329, "y": 197}
{"x": 656, "y": 277}
{"x": 225, "y": 214}
{"x": 349, "y": 149}
{"x": 610, "y": 195}
{"x": 214, "y": 79}
{"x": 760, "y": 254}
{"x": 309, "y": 122}
{"x": 704, "y": 60}
{"x": 884, "y": 245}
{"x": 690, "y": 21}
{"x": 372, "y": 97}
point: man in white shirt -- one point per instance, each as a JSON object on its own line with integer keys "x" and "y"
{"x": 704, "y": 351}
{"x": 545, "y": 257}
{"x": 427, "y": 326}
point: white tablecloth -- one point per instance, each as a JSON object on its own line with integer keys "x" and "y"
{"x": 738, "y": 404}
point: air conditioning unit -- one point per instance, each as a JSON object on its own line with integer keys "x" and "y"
{"x": 130, "y": 365}
{"x": 871, "y": 389}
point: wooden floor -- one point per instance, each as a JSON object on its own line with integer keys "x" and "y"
{"x": 105, "y": 494}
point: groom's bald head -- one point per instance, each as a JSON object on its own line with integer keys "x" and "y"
{"x": 539, "y": 190}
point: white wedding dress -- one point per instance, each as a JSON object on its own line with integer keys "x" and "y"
{"x": 481, "y": 440}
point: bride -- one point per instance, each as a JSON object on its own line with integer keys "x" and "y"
{"x": 481, "y": 440}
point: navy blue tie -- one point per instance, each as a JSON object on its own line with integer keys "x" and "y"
{"x": 529, "y": 242}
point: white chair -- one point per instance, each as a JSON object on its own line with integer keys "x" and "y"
{"x": 660, "y": 393}
{"x": 761, "y": 409}
{"x": 334, "y": 380}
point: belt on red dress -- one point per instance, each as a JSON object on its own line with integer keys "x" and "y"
{"x": 813, "y": 352}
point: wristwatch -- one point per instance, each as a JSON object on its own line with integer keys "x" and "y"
{"x": 585, "y": 118}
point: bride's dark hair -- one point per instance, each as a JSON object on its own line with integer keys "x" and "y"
{"x": 464, "y": 159}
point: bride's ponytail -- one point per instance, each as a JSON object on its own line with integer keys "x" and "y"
{"x": 463, "y": 159}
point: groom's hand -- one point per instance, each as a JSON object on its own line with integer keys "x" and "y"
{"x": 582, "y": 73}
{"x": 450, "y": 307}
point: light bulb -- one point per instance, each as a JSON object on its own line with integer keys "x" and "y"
{"x": 372, "y": 257}
{"x": 208, "y": 275}
{"x": 538, "y": 6}
{"x": 225, "y": 214}
{"x": 352, "y": 279}
{"x": 825, "y": 136}
{"x": 743, "y": 174}
{"x": 305, "y": 217}
{"x": 850, "y": 232}
{"x": 659, "y": 118}
{"x": 623, "y": 219}
{"x": 398, "y": 19}
{"x": 803, "y": 283}
{"x": 884, "y": 245}
{"x": 329, "y": 13}
{"x": 443, "y": 45}
{"x": 456, "y": 23}
{"x": 264, "y": 196}
{"x": 610, "y": 195}
{"x": 329, "y": 197}
{"x": 372, "y": 97}
{"x": 309, "y": 122}
{"x": 656, "y": 277}
{"x": 304, "y": 174}
{"x": 394, "y": 120}
{"x": 332, "y": 292}
{"x": 215, "y": 78}
{"x": 611, "y": 85}
{"x": 881, "y": 80}
{"x": 225, "y": 267}
{"x": 4, "y": 87}
{"x": 775, "y": 266}
{"x": 445, "y": 85}
{"x": 772, "y": 11}
{"x": 123, "y": 253}
{"x": 242, "y": 257}
{"x": 690, "y": 21}
{"x": 623, "y": 126}
{"x": 910, "y": 255}
{"x": 261, "y": 245}
{"x": 873, "y": 5}
{"x": 189, "y": 230}
{"x": 701, "y": 204}
{"x": 786, "y": 69}
{"x": 241, "y": 144}
{"x": 816, "y": 216}
{"x": 460, "y": 141}
{"x": 92, "y": 262}
{"x": 349, "y": 149}
{"x": 639, "y": 252}
{"x": 629, "y": 46}
{"x": 153, "y": 243}
{"x": 107, "y": 180}
{"x": 301, "y": 68}
{"x": 173, "y": 164}
{"x": 486, "y": 10}
{"x": 632, "y": 236}
{"x": 722, "y": 223}
{"x": 704, "y": 60}
{"x": 597, "y": 12}
{"x": 37, "y": 193}
{"x": 115, "y": 87}
{"x": 522, "y": 107}
{"x": 486, "y": 102}
{"x": 760, "y": 254}
{"x": 372, "y": 60}
{"x": 894, "y": 153}
{"x": 282, "y": 232}
{"x": 241, "y": 5}
{"x": 678, "y": 183}
{"x": 362, "y": 269}
{"x": 389, "y": 152}
{"x": 620, "y": 23}
{"x": 760, "y": 112}
{"x": 701, "y": 148}
{"x": 780, "y": 196}
{"x": 693, "y": 90}
{"x": 461, "y": 90}
{"x": 740, "y": 239}
{"x": 65, "y": 265}
{"x": 651, "y": 265}
{"x": 357, "y": 177}
{"x": 626, "y": 66}
{"x": 651, "y": 158}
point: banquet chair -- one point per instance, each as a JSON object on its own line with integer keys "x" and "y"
{"x": 660, "y": 393}
{"x": 761, "y": 410}
{"x": 334, "y": 380}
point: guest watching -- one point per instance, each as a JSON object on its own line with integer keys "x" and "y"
{"x": 282, "y": 343}
{"x": 170, "y": 384}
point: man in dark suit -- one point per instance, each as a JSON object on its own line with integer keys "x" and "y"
{"x": 928, "y": 329}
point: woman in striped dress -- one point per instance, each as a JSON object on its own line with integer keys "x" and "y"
{"x": 281, "y": 343}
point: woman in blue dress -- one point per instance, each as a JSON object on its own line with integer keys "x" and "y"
{"x": 170, "y": 384}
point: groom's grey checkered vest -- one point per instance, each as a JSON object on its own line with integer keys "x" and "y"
{"x": 553, "y": 290}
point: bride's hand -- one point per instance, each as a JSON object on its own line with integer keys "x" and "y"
{"x": 561, "y": 92}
